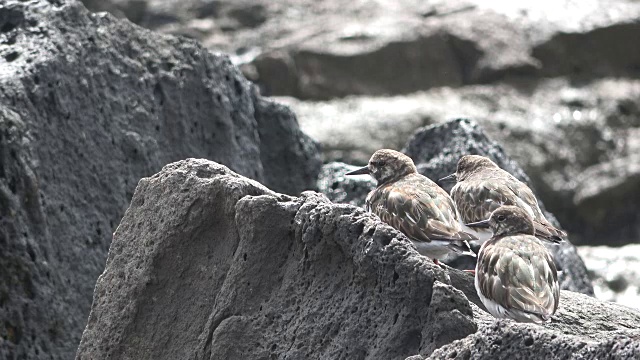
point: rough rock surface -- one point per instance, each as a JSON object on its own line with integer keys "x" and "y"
{"x": 608, "y": 199}
{"x": 311, "y": 49}
{"x": 558, "y": 131}
{"x": 204, "y": 257}
{"x": 344, "y": 189}
{"x": 582, "y": 328}
{"x": 436, "y": 151}
{"x": 614, "y": 272}
{"x": 89, "y": 105}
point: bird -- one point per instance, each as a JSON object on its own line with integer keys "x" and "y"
{"x": 515, "y": 275}
{"x": 414, "y": 205}
{"x": 482, "y": 187}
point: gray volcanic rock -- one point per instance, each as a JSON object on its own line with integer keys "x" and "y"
{"x": 615, "y": 272}
{"x": 89, "y": 105}
{"x": 212, "y": 265}
{"x": 207, "y": 264}
{"x": 583, "y": 328}
{"x": 436, "y": 151}
{"x": 608, "y": 200}
{"x": 134, "y": 10}
{"x": 320, "y": 50}
{"x": 343, "y": 189}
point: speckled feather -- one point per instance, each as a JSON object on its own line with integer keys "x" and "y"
{"x": 518, "y": 273}
{"x": 414, "y": 204}
{"x": 516, "y": 276}
{"x": 420, "y": 209}
{"x": 482, "y": 189}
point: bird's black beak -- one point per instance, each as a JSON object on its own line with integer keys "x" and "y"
{"x": 449, "y": 178}
{"x": 479, "y": 224}
{"x": 361, "y": 171}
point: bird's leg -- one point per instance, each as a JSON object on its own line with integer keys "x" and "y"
{"x": 472, "y": 272}
{"x": 435, "y": 261}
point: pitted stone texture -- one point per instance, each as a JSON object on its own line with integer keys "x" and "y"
{"x": 213, "y": 265}
{"x": 89, "y": 105}
{"x": 343, "y": 189}
{"x": 583, "y": 328}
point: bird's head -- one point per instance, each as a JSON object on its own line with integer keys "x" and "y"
{"x": 387, "y": 165}
{"x": 507, "y": 220}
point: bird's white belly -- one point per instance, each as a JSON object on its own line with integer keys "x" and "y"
{"x": 493, "y": 307}
{"x": 482, "y": 234}
{"x": 434, "y": 249}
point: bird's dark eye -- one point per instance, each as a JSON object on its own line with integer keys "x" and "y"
{"x": 501, "y": 218}
{"x": 377, "y": 163}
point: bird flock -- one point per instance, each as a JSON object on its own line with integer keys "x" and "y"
{"x": 515, "y": 274}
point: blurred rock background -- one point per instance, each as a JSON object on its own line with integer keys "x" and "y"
{"x": 555, "y": 82}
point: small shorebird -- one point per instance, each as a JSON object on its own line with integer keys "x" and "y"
{"x": 415, "y": 205}
{"x": 516, "y": 277}
{"x": 482, "y": 187}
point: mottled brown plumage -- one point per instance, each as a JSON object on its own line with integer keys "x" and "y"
{"x": 482, "y": 187}
{"x": 413, "y": 204}
{"x": 516, "y": 277}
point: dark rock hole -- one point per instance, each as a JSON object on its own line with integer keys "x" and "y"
{"x": 31, "y": 252}
{"x": 395, "y": 276}
{"x": 238, "y": 87}
{"x": 12, "y": 56}
{"x": 528, "y": 341}
{"x": 8, "y": 27}
{"x": 244, "y": 257}
{"x": 13, "y": 186}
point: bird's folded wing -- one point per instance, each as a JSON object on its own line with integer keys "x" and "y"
{"x": 526, "y": 200}
{"x": 476, "y": 201}
{"x": 422, "y": 215}
{"x": 521, "y": 282}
